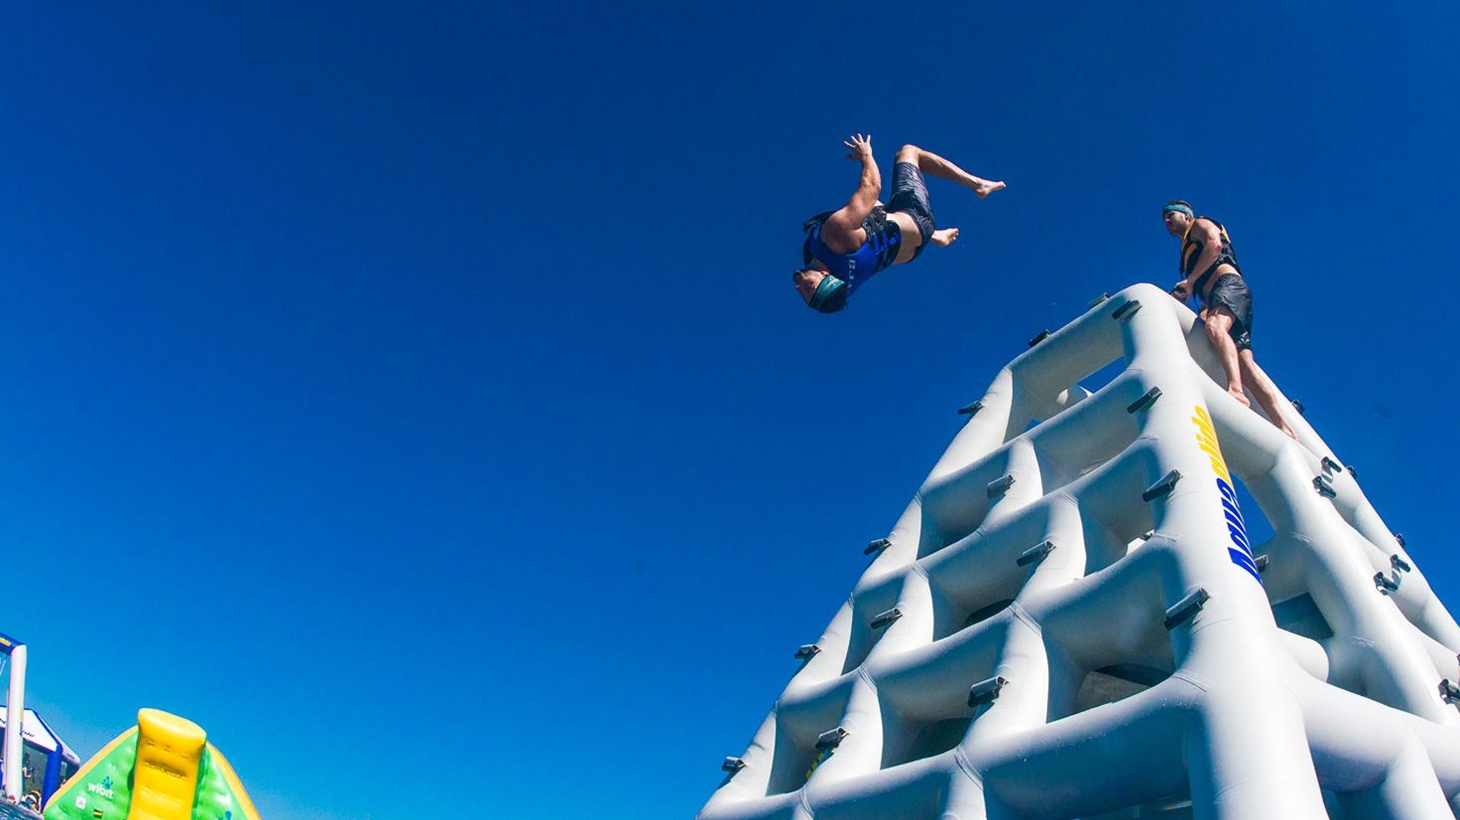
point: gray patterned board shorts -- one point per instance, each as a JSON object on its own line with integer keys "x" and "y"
{"x": 1231, "y": 291}
{"x": 910, "y": 196}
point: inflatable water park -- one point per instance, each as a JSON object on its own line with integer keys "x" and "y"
{"x": 1071, "y": 619}
{"x": 163, "y": 768}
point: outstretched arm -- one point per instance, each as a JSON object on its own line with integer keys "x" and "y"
{"x": 870, "y": 186}
{"x": 850, "y": 217}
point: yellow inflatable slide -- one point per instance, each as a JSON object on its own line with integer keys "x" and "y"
{"x": 162, "y": 769}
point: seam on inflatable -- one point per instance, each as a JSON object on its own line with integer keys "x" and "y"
{"x": 966, "y": 766}
{"x": 1192, "y": 678}
{"x": 1023, "y": 615}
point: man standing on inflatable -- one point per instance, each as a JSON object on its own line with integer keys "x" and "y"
{"x": 1210, "y": 267}
{"x": 844, "y": 248}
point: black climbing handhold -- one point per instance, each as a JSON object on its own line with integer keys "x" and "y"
{"x": 1186, "y": 608}
{"x": 1321, "y": 485}
{"x": 1163, "y": 487}
{"x": 999, "y": 486}
{"x": 1448, "y": 691}
{"x": 970, "y": 409}
{"x": 986, "y": 691}
{"x": 831, "y": 739}
{"x": 1035, "y": 553}
{"x": 1144, "y": 401}
{"x": 886, "y": 618}
{"x": 877, "y": 546}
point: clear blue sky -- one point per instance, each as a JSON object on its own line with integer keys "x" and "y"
{"x": 420, "y": 388}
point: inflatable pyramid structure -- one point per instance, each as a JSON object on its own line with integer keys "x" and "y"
{"x": 163, "y": 768}
{"x": 1069, "y": 620}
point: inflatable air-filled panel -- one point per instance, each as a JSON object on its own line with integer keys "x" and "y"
{"x": 164, "y": 769}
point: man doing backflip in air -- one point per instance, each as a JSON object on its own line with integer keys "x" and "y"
{"x": 1210, "y": 268}
{"x": 844, "y": 248}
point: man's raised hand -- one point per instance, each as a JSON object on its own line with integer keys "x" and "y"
{"x": 861, "y": 147}
{"x": 1181, "y": 291}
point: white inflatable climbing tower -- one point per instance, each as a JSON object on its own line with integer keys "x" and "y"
{"x": 1068, "y": 621}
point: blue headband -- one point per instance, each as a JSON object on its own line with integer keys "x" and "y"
{"x": 1177, "y": 207}
{"x": 829, "y": 285}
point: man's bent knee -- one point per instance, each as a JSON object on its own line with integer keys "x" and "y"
{"x": 909, "y": 153}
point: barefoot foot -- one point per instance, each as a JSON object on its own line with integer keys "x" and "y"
{"x": 983, "y": 187}
{"x": 944, "y": 237}
{"x": 1236, "y": 393}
